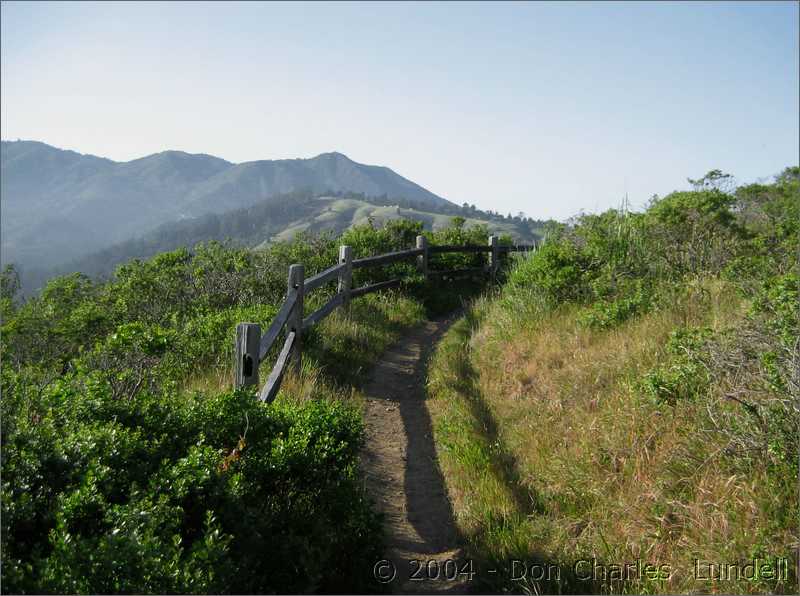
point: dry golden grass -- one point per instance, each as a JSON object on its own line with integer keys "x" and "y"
{"x": 608, "y": 473}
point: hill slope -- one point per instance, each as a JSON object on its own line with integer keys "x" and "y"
{"x": 630, "y": 399}
{"x": 279, "y": 218}
{"x": 59, "y": 205}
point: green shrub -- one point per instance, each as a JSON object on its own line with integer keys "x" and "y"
{"x": 778, "y": 301}
{"x": 685, "y": 376}
{"x": 558, "y": 271}
{"x": 207, "y": 339}
{"x": 606, "y": 314}
{"x": 171, "y": 495}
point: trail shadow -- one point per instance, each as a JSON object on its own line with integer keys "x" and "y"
{"x": 402, "y": 382}
{"x": 430, "y": 510}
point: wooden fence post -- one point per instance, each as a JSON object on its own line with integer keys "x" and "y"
{"x": 346, "y": 275}
{"x": 422, "y": 260}
{"x": 495, "y": 258}
{"x": 295, "y": 323}
{"x": 245, "y": 364}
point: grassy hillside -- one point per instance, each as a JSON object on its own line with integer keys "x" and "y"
{"x": 631, "y": 397}
{"x": 336, "y": 215}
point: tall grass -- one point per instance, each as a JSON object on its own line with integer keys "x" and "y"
{"x": 627, "y": 399}
{"x": 553, "y": 454}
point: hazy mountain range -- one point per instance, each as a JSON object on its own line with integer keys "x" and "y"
{"x": 58, "y": 205}
{"x": 63, "y": 211}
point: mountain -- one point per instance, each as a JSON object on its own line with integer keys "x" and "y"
{"x": 58, "y": 205}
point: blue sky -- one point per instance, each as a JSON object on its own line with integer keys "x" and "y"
{"x": 546, "y": 108}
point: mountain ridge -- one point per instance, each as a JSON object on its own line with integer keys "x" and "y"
{"x": 59, "y": 204}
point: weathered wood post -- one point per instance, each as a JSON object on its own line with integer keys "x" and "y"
{"x": 245, "y": 364}
{"x": 346, "y": 274}
{"x": 295, "y": 323}
{"x": 494, "y": 263}
{"x": 422, "y": 260}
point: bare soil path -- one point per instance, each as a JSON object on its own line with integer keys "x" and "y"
{"x": 402, "y": 471}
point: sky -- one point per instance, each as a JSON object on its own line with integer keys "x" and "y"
{"x": 547, "y": 108}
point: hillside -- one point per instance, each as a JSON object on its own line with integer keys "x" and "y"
{"x": 59, "y": 205}
{"x": 622, "y": 415}
{"x": 334, "y": 214}
{"x": 277, "y": 219}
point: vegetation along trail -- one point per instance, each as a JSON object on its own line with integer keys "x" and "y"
{"x": 402, "y": 472}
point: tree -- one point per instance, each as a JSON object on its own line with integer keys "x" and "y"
{"x": 9, "y": 288}
{"x": 715, "y": 179}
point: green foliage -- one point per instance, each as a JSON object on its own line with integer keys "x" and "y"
{"x": 606, "y": 314}
{"x": 747, "y": 236}
{"x": 459, "y": 235}
{"x": 367, "y": 240}
{"x": 152, "y": 290}
{"x": 9, "y": 288}
{"x": 715, "y": 179}
{"x": 208, "y": 338}
{"x": 558, "y": 271}
{"x": 169, "y": 494}
{"x": 686, "y": 376}
{"x": 778, "y": 301}
{"x": 65, "y": 319}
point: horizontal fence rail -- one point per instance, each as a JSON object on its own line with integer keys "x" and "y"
{"x": 252, "y": 347}
{"x": 390, "y": 257}
{"x": 320, "y": 279}
{"x": 517, "y": 247}
{"x": 323, "y": 312}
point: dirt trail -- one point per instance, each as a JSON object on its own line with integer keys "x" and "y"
{"x": 402, "y": 471}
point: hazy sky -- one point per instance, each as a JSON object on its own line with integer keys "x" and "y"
{"x": 545, "y": 108}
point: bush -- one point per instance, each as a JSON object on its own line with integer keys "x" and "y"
{"x": 778, "y": 301}
{"x": 606, "y": 314}
{"x": 686, "y": 376}
{"x": 558, "y": 271}
{"x": 181, "y": 495}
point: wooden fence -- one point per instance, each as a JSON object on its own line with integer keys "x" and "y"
{"x": 252, "y": 347}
